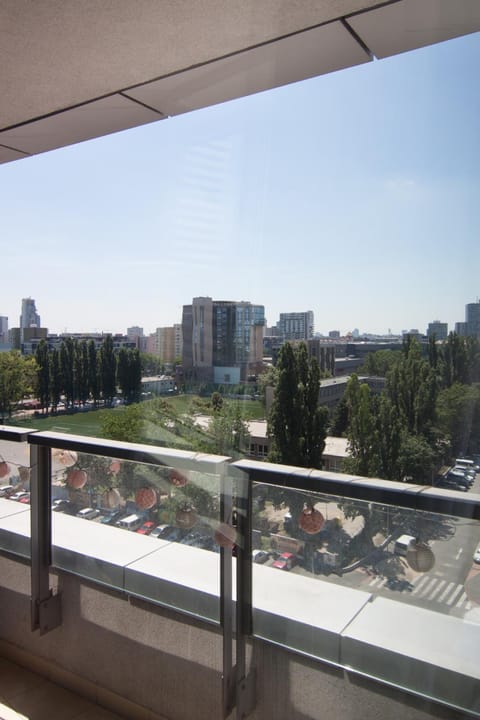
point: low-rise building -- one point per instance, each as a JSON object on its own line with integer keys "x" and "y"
{"x": 158, "y": 385}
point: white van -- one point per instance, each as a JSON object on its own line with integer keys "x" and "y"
{"x": 404, "y": 544}
{"x": 131, "y": 522}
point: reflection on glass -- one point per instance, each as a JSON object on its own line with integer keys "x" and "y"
{"x": 15, "y": 472}
{"x": 424, "y": 559}
{"x": 162, "y": 502}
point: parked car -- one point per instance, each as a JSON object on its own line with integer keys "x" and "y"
{"x": 157, "y": 531}
{"x": 172, "y": 533}
{"x": 6, "y": 490}
{"x": 60, "y": 504}
{"x": 458, "y": 478}
{"x": 476, "y": 555}
{"x": 260, "y": 556}
{"x": 88, "y": 513}
{"x": 285, "y": 561}
{"x": 111, "y": 516}
{"x": 450, "y": 484}
{"x": 19, "y": 495}
{"x": 146, "y": 528}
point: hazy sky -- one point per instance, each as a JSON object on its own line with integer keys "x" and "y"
{"x": 355, "y": 195}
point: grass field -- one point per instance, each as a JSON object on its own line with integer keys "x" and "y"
{"x": 89, "y": 423}
{"x": 81, "y": 423}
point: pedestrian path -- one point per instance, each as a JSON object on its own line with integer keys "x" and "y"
{"x": 429, "y": 588}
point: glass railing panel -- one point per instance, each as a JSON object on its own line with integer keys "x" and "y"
{"x": 388, "y": 591}
{"x": 416, "y": 557}
{"x": 15, "y": 496}
{"x": 147, "y": 528}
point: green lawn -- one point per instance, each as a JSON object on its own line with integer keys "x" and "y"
{"x": 81, "y": 423}
{"x": 191, "y": 404}
{"x": 88, "y": 423}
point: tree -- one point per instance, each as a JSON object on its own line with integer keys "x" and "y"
{"x": 81, "y": 371}
{"x": 377, "y": 364}
{"x": 151, "y": 365}
{"x": 67, "y": 353}
{"x": 412, "y": 387}
{"x": 216, "y": 401}
{"x": 43, "y": 374}
{"x": 123, "y": 423}
{"x": 17, "y": 378}
{"x": 297, "y": 424}
{"x": 129, "y": 374}
{"x": 55, "y": 379}
{"x": 229, "y": 431}
{"x": 108, "y": 370}
{"x": 459, "y": 417}
{"x": 361, "y": 429}
{"x": 93, "y": 373}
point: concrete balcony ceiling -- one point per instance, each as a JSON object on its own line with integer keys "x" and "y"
{"x": 72, "y": 71}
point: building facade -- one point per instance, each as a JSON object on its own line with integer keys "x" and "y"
{"x": 222, "y": 340}
{"x": 296, "y": 325}
{"x": 3, "y": 329}
{"x": 29, "y": 316}
{"x": 472, "y": 319}
{"x": 438, "y": 330}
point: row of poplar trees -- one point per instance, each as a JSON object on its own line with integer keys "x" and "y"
{"x": 78, "y": 372}
{"x": 428, "y": 412}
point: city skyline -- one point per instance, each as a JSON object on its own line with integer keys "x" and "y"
{"x": 354, "y": 195}
{"x": 268, "y": 324}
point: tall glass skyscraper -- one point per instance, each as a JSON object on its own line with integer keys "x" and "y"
{"x": 29, "y": 316}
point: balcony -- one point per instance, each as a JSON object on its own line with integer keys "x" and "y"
{"x": 181, "y": 626}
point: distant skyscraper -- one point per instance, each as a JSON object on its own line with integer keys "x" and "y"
{"x": 461, "y": 329}
{"x": 3, "y": 329}
{"x": 29, "y": 317}
{"x": 296, "y": 326}
{"x": 135, "y": 334}
{"x": 437, "y": 329}
{"x": 472, "y": 319}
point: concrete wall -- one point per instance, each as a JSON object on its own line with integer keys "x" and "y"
{"x": 148, "y": 662}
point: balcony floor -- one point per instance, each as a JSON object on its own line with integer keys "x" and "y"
{"x": 24, "y": 695}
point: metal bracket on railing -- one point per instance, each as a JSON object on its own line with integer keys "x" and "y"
{"x": 45, "y": 605}
{"x": 238, "y": 687}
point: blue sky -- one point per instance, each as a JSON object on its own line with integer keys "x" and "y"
{"x": 355, "y": 195}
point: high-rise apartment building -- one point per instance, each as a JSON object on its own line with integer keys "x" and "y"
{"x": 222, "y": 340}
{"x": 178, "y": 340}
{"x": 437, "y": 329}
{"x": 3, "y": 329}
{"x": 29, "y": 316}
{"x": 135, "y": 334}
{"x": 472, "y": 319}
{"x": 296, "y": 325}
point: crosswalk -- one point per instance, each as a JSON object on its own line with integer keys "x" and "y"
{"x": 428, "y": 588}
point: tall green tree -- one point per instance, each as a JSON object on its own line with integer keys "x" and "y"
{"x": 43, "y": 374}
{"x": 363, "y": 458}
{"x": 108, "y": 367}
{"x": 17, "y": 379}
{"x": 412, "y": 387}
{"x": 81, "y": 371}
{"x": 297, "y": 424}
{"x": 67, "y": 367}
{"x": 56, "y": 380}
{"x": 93, "y": 372}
